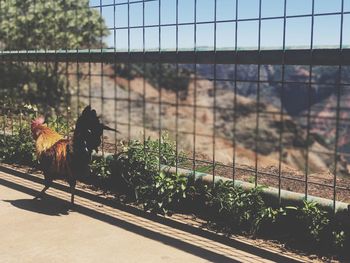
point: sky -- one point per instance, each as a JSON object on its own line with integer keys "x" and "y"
{"x": 326, "y": 30}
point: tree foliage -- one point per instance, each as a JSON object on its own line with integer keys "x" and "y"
{"x": 50, "y": 25}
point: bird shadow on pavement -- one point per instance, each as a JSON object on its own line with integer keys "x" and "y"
{"x": 47, "y": 206}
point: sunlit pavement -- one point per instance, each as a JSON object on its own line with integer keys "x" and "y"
{"x": 48, "y": 231}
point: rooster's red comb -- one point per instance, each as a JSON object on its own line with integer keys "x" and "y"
{"x": 38, "y": 121}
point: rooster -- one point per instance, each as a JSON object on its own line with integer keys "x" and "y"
{"x": 61, "y": 158}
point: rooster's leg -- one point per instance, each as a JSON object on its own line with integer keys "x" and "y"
{"x": 72, "y": 190}
{"x": 47, "y": 186}
{"x": 40, "y": 195}
{"x": 47, "y": 182}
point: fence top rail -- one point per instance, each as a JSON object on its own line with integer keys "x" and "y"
{"x": 269, "y": 57}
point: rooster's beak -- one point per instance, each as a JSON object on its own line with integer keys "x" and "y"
{"x": 105, "y": 127}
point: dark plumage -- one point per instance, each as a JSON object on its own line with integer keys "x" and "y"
{"x": 67, "y": 159}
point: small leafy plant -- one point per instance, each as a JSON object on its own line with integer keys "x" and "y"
{"x": 234, "y": 208}
{"x": 101, "y": 167}
{"x": 165, "y": 194}
{"x": 139, "y": 162}
{"x": 313, "y": 221}
{"x": 58, "y": 124}
{"x": 16, "y": 143}
{"x": 139, "y": 165}
{"x": 339, "y": 238}
{"x": 18, "y": 148}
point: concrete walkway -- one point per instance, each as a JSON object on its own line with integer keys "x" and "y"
{"x": 47, "y": 231}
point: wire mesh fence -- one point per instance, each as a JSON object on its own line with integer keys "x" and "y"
{"x": 254, "y": 90}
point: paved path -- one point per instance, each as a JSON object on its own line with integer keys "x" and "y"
{"x": 47, "y": 231}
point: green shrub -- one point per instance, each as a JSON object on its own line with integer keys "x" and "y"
{"x": 18, "y": 148}
{"x": 58, "y": 124}
{"x": 233, "y": 208}
{"x": 313, "y": 222}
{"x": 101, "y": 167}
{"x": 339, "y": 239}
{"x": 139, "y": 167}
{"x": 140, "y": 162}
{"x": 164, "y": 194}
{"x": 279, "y": 219}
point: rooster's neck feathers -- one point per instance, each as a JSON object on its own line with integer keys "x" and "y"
{"x": 86, "y": 138}
{"x": 45, "y": 138}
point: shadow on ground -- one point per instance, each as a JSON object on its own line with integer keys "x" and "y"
{"x": 48, "y": 206}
